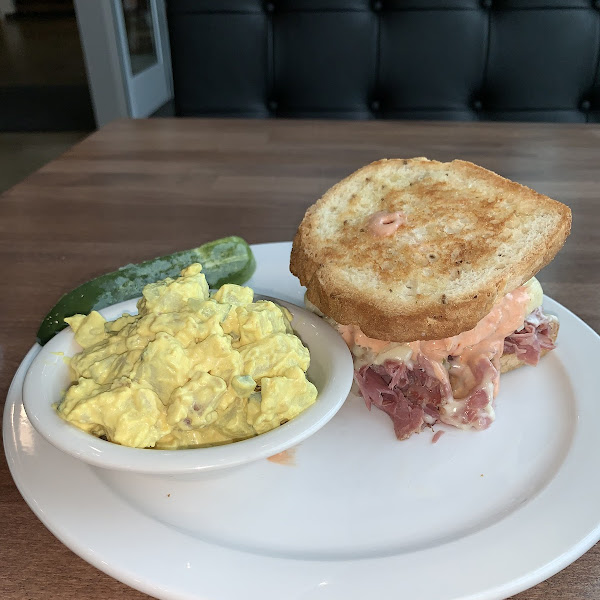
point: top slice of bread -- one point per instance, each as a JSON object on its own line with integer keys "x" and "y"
{"x": 471, "y": 237}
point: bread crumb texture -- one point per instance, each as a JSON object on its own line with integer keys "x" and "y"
{"x": 470, "y": 237}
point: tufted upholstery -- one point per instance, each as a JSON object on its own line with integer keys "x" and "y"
{"x": 526, "y": 60}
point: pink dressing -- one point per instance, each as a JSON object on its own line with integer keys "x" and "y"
{"x": 466, "y": 365}
{"x": 353, "y": 336}
{"x": 505, "y": 317}
{"x": 487, "y": 337}
{"x": 384, "y": 224}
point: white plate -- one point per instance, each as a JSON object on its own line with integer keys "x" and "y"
{"x": 358, "y": 515}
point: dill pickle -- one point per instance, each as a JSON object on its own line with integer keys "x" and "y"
{"x": 226, "y": 260}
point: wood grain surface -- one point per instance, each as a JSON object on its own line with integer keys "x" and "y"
{"x": 139, "y": 189}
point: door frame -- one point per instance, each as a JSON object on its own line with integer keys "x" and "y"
{"x": 115, "y": 92}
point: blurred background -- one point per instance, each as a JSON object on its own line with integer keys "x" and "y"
{"x": 47, "y": 50}
{"x": 68, "y": 67}
{"x": 43, "y": 85}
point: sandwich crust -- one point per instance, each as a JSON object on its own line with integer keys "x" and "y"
{"x": 468, "y": 237}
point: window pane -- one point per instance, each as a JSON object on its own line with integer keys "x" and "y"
{"x": 140, "y": 34}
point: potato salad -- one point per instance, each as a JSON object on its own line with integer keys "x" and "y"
{"x": 191, "y": 369}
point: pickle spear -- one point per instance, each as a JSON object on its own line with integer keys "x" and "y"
{"x": 226, "y": 260}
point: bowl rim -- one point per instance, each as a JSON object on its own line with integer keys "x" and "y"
{"x": 317, "y": 335}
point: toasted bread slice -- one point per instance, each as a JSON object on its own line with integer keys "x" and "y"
{"x": 470, "y": 237}
{"x": 508, "y": 362}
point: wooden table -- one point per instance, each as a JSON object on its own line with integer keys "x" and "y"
{"x": 139, "y": 189}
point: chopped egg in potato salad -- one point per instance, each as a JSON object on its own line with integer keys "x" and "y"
{"x": 191, "y": 369}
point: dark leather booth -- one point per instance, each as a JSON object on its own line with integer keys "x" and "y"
{"x": 523, "y": 60}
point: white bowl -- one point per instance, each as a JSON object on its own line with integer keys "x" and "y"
{"x": 330, "y": 370}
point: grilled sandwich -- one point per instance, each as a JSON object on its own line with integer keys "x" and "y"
{"x": 427, "y": 271}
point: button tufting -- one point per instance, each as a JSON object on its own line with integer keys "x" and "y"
{"x": 486, "y": 3}
{"x": 585, "y": 105}
{"x": 270, "y": 7}
{"x": 375, "y": 105}
{"x": 477, "y": 105}
{"x": 273, "y": 105}
{"x": 377, "y": 5}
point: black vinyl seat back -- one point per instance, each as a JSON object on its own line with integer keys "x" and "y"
{"x": 518, "y": 60}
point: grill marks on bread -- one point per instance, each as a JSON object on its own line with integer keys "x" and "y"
{"x": 471, "y": 236}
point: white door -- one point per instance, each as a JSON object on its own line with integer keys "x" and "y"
{"x": 126, "y": 49}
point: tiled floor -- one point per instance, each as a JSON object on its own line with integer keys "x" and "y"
{"x": 23, "y": 153}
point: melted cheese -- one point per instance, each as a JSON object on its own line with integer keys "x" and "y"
{"x": 454, "y": 360}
